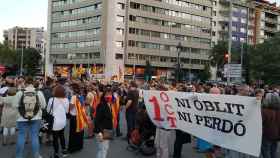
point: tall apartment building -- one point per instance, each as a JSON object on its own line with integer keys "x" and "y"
{"x": 253, "y": 20}
{"x": 22, "y": 37}
{"x": 120, "y": 34}
{"x": 266, "y": 20}
{"x": 240, "y": 21}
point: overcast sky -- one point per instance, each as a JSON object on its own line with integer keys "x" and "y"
{"x": 28, "y": 13}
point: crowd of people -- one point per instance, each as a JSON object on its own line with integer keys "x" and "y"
{"x": 51, "y": 109}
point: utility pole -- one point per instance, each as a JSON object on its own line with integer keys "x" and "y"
{"x": 229, "y": 40}
{"x": 241, "y": 58}
{"x": 21, "y": 61}
{"x": 179, "y": 47}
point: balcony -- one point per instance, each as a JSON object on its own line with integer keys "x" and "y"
{"x": 270, "y": 29}
{"x": 271, "y": 20}
{"x": 224, "y": 12}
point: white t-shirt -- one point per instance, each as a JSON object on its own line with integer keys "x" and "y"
{"x": 73, "y": 111}
{"x": 60, "y": 109}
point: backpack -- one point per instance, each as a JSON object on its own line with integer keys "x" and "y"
{"x": 29, "y": 105}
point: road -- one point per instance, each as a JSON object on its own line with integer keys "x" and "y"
{"x": 117, "y": 150}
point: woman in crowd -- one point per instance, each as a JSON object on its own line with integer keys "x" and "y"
{"x": 90, "y": 97}
{"x": 271, "y": 125}
{"x": 78, "y": 120}
{"x": 9, "y": 115}
{"x": 104, "y": 123}
{"x": 58, "y": 106}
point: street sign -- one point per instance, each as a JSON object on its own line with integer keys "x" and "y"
{"x": 233, "y": 70}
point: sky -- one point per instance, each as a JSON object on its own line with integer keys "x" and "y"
{"x": 27, "y": 13}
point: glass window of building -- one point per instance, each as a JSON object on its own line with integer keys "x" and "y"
{"x": 120, "y": 6}
{"x": 243, "y": 20}
{"x": 120, "y": 18}
{"x": 118, "y": 56}
{"x": 119, "y": 44}
{"x": 120, "y": 31}
{"x": 243, "y": 30}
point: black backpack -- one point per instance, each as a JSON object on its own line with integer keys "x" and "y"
{"x": 29, "y": 104}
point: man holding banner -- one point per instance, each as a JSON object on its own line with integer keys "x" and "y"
{"x": 224, "y": 120}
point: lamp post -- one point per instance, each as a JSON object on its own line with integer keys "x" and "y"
{"x": 21, "y": 61}
{"x": 229, "y": 40}
{"x": 179, "y": 48}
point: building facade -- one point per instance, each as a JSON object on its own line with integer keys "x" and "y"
{"x": 240, "y": 21}
{"x": 252, "y": 21}
{"x": 115, "y": 36}
{"x": 22, "y": 37}
{"x": 266, "y": 20}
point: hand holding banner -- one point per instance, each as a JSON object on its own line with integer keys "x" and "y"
{"x": 232, "y": 122}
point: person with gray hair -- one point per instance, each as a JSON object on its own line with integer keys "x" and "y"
{"x": 271, "y": 125}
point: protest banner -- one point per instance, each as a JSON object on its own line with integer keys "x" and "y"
{"x": 232, "y": 122}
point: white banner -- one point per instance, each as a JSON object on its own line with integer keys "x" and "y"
{"x": 232, "y": 122}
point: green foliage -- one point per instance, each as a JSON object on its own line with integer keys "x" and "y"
{"x": 31, "y": 60}
{"x": 7, "y": 55}
{"x": 217, "y": 54}
{"x": 205, "y": 74}
{"x": 265, "y": 61}
{"x": 11, "y": 57}
{"x": 260, "y": 62}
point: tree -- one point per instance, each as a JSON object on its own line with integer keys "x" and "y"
{"x": 205, "y": 74}
{"x": 265, "y": 61}
{"x": 7, "y": 55}
{"x": 148, "y": 71}
{"x": 31, "y": 60}
{"x": 217, "y": 54}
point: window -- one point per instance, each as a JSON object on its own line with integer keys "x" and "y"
{"x": 214, "y": 13}
{"x": 213, "y": 33}
{"x": 131, "y": 43}
{"x": 234, "y": 38}
{"x": 214, "y": 23}
{"x": 119, "y": 56}
{"x": 163, "y": 59}
{"x": 132, "y": 18}
{"x": 243, "y": 30}
{"x": 120, "y": 6}
{"x": 244, "y": 11}
{"x": 119, "y": 44}
{"x": 134, "y": 5}
{"x": 234, "y": 18}
{"x": 155, "y": 34}
{"x": 214, "y": 3}
{"x": 243, "y": 20}
{"x": 235, "y": 9}
{"x": 120, "y": 31}
{"x": 120, "y": 18}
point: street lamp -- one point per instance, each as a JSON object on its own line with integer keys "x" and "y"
{"x": 21, "y": 61}
{"x": 179, "y": 49}
{"x": 229, "y": 38}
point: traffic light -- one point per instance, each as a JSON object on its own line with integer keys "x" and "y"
{"x": 226, "y": 57}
